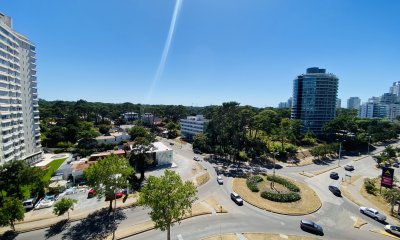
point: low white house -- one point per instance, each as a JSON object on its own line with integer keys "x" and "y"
{"x": 161, "y": 154}
{"x": 116, "y": 137}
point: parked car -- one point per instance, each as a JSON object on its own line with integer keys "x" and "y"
{"x": 30, "y": 203}
{"x": 171, "y": 143}
{"x": 349, "y": 168}
{"x": 196, "y": 151}
{"x": 335, "y": 190}
{"x": 219, "y": 180}
{"x": 334, "y": 175}
{"x": 393, "y": 230}
{"x": 373, "y": 213}
{"x": 91, "y": 193}
{"x": 196, "y": 158}
{"x": 46, "y": 202}
{"x": 310, "y": 226}
{"x": 118, "y": 195}
{"x": 396, "y": 165}
{"x": 236, "y": 198}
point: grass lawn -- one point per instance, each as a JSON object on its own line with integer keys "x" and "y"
{"x": 51, "y": 168}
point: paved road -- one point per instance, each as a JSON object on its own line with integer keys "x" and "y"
{"x": 336, "y": 215}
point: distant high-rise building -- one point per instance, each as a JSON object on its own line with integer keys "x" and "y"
{"x": 395, "y": 89}
{"x": 353, "y": 103}
{"x": 314, "y": 99}
{"x": 376, "y": 110}
{"x": 338, "y": 103}
{"x": 192, "y": 126}
{"x": 287, "y": 104}
{"x": 374, "y": 99}
{"x": 388, "y": 98}
{"x": 19, "y": 110}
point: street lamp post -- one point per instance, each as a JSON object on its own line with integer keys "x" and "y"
{"x": 340, "y": 152}
{"x": 369, "y": 142}
{"x": 273, "y": 173}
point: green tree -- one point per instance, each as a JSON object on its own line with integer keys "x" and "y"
{"x": 201, "y": 142}
{"x": 138, "y": 131}
{"x": 139, "y": 154}
{"x": 103, "y": 128}
{"x": 109, "y": 175}
{"x": 391, "y": 195}
{"x": 63, "y": 206}
{"x": 11, "y": 211}
{"x": 168, "y": 198}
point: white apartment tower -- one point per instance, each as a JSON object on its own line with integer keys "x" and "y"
{"x": 19, "y": 109}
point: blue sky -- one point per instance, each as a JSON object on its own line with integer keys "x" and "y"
{"x": 222, "y": 50}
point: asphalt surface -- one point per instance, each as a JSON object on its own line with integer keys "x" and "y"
{"x": 336, "y": 215}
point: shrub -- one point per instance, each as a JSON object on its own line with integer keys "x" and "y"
{"x": 370, "y": 187}
{"x": 281, "y": 197}
{"x": 289, "y": 185}
{"x": 252, "y": 183}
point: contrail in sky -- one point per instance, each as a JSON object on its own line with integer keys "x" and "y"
{"x": 167, "y": 45}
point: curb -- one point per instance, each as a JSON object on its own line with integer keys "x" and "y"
{"x": 71, "y": 220}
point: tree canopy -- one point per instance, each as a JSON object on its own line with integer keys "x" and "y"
{"x": 168, "y": 198}
{"x": 108, "y": 175}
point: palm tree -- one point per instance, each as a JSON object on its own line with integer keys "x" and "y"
{"x": 391, "y": 195}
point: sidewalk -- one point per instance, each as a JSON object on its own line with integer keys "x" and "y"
{"x": 34, "y": 224}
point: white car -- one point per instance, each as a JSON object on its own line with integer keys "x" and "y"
{"x": 393, "y": 230}
{"x": 196, "y": 158}
{"x": 220, "y": 180}
{"x": 373, "y": 213}
{"x": 46, "y": 202}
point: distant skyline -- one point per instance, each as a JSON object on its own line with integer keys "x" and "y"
{"x": 244, "y": 51}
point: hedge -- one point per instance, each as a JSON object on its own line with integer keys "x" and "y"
{"x": 289, "y": 185}
{"x": 281, "y": 197}
{"x": 252, "y": 183}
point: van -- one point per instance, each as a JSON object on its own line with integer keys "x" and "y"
{"x": 29, "y": 203}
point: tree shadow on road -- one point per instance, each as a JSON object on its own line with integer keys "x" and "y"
{"x": 97, "y": 225}
{"x": 57, "y": 228}
{"x": 9, "y": 235}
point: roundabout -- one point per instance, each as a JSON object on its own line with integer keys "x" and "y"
{"x": 279, "y": 198}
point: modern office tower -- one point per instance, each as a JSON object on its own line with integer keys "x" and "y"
{"x": 377, "y": 110}
{"x": 395, "y": 89}
{"x": 338, "y": 103}
{"x": 353, "y": 103}
{"x": 314, "y": 99}
{"x": 192, "y": 126}
{"x": 19, "y": 109}
{"x": 389, "y": 98}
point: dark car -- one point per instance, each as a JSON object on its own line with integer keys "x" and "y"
{"x": 396, "y": 165}
{"x": 335, "y": 190}
{"x": 310, "y": 226}
{"x": 236, "y": 198}
{"x": 349, "y": 168}
{"x": 196, "y": 151}
{"x": 334, "y": 175}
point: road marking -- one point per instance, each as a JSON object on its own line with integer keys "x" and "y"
{"x": 240, "y": 236}
{"x": 283, "y": 236}
{"x": 180, "y": 237}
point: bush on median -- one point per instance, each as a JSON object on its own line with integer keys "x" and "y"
{"x": 281, "y": 197}
{"x": 289, "y": 185}
{"x": 252, "y": 183}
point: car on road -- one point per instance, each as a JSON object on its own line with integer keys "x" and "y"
{"x": 171, "y": 143}
{"x": 373, "y": 213}
{"x": 335, "y": 190}
{"x": 196, "y": 158}
{"x": 310, "y": 226}
{"x": 393, "y": 230}
{"x": 349, "y": 168}
{"x": 219, "y": 180}
{"x": 334, "y": 175}
{"x": 396, "y": 165}
{"x": 236, "y": 198}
